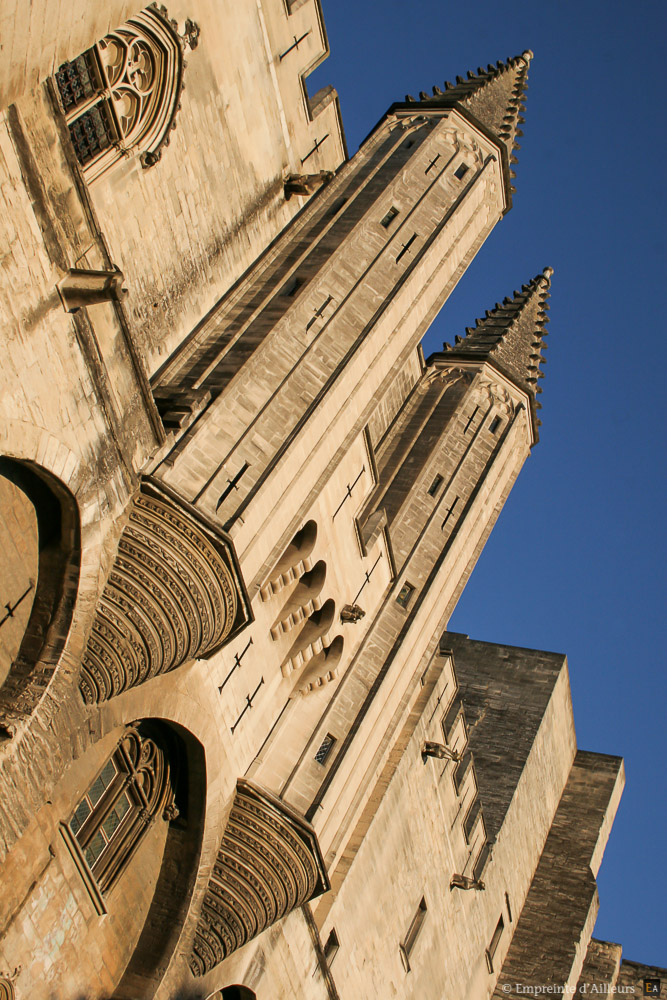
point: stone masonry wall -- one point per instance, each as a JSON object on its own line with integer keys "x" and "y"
{"x": 632, "y": 975}
{"x": 18, "y": 544}
{"x": 600, "y": 969}
{"x": 505, "y": 690}
{"x": 186, "y": 229}
{"x": 552, "y": 936}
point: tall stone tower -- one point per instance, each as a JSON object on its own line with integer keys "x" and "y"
{"x": 237, "y": 740}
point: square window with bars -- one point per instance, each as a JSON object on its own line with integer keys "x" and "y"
{"x": 435, "y": 486}
{"x": 405, "y": 595}
{"x": 79, "y": 80}
{"x": 325, "y": 749}
{"x": 389, "y": 217}
{"x": 99, "y": 815}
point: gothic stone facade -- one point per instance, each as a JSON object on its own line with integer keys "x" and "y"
{"x": 240, "y": 755}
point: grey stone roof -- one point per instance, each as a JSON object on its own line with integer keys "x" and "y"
{"x": 511, "y": 335}
{"x": 495, "y": 96}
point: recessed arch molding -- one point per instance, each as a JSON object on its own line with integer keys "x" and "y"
{"x": 269, "y": 862}
{"x": 174, "y": 593}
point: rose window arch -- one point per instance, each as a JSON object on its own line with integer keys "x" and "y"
{"x": 120, "y": 97}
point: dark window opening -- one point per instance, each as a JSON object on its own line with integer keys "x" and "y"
{"x": 79, "y": 80}
{"x": 509, "y": 908}
{"x": 495, "y": 941}
{"x": 331, "y": 948}
{"x": 435, "y": 486}
{"x": 232, "y": 484}
{"x": 407, "y": 947}
{"x": 495, "y": 424}
{"x": 326, "y": 747}
{"x": 461, "y": 171}
{"x": 405, "y": 595}
{"x": 92, "y": 132}
{"x": 389, "y": 217}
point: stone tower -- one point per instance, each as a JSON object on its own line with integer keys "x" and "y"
{"x": 237, "y": 740}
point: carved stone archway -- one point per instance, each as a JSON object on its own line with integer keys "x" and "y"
{"x": 42, "y": 607}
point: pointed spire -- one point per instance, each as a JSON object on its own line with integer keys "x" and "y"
{"x": 495, "y": 96}
{"x": 510, "y": 336}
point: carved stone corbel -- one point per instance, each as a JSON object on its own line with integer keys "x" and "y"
{"x": 466, "y": 882}
{"x": 440, "y": 752}
{"x": 306, "y": 184}
{"x": 83, "y": 287}
{"x": 171, "y": 596}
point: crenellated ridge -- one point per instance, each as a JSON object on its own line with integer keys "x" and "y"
{"x": 495, "y": 96}
{"x": 511, "y": 335}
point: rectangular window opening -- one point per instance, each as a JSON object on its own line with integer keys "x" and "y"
{"x": 509, "y": 908}
{"x": 494, "y": 425}
{"x": 407, "y": 947}
{"x": 495, "y": 941}
{"x": 331, "y": 948}
{"x": 435, "y": 486}
{"x": 326, "y": 747}
{"x": 461, "y": 171}
{"x": 405, "y": 595}
{"x": 389, "y": 217}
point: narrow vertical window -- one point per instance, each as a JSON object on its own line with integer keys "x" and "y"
{"x": 407, "y": 947}
{"x": 325, "y": 749}
{"x": 331, "y": 948}
{"x": 493, "y": 945}
{"x": 509, "y": 908}
{"x": 494, "y": 425}
{"x": 461, "y": 171}
{"x": 435, "y": 486}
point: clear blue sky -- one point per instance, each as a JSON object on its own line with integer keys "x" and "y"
{"x": 576, "y": 561}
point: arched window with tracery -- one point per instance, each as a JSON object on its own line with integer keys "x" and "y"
{"x": 132, "y": 790}
{"x": 120, "y": 97}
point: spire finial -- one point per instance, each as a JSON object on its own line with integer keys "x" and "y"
{"x": 510, "y": 335}
{"x": 494, "y": 96}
